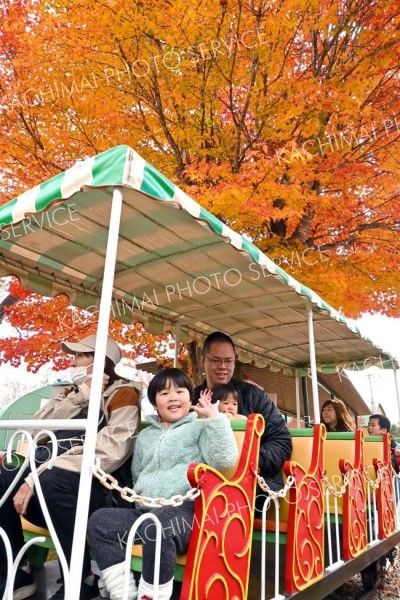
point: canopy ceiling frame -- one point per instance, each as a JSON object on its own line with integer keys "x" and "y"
{"x": 171, "y": 248}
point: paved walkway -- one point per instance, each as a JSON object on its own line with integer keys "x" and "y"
{"x": 46, "y": 580}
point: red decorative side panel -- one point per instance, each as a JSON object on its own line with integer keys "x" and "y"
{"x": 385, "y": 493}
{"x": 218, "y": 561}
{"x": 354, "y": 503}
{"x": 305, "y": 538}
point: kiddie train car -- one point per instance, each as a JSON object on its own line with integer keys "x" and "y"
{"x": 132, "y": 244}
{"x": 338, "y": 515}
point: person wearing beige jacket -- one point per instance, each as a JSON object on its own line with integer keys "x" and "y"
{"x": 118, "y": 424}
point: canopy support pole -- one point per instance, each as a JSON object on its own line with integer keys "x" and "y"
{"x": 176, "y": 352}
{"x": 297, "y": 397}
{"x": 313, "y": 363}
{"x": 305, "y": 401}
{"x": 396, "y": 384}
{"x": 74, "y": 581}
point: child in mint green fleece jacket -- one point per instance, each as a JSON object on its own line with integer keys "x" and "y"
{"x": 175, "y": 438}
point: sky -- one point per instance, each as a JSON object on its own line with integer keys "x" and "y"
{"x": 382, "y": 330}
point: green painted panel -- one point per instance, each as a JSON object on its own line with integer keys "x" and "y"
{"x": 39, "y": 285}
{"x": 86, "y": 300}
{"x": 270, "y": 537}
{"x": 341, "y": 435}
{"x": 22, "y": 408}
{"x": 4, "y": 244}
{"x": 50, "y": 263}
{"x": 136, "y": 565}
{"x": 239, "y": 424}
{"x": 309, "y": 432}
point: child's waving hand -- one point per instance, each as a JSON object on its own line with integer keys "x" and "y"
{"x": 204, "y": 407}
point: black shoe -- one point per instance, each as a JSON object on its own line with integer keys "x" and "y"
{"x": 88, "y": 592}
{"x": 24, "y": 585}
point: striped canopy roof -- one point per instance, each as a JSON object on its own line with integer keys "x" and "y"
{"x": 177, "y": 263}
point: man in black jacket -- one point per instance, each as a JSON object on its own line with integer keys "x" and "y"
{"x": 276, "y": 442}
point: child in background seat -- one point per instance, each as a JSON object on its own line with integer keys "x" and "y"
{"x": 164, "y": 450}
{"x": 378, "y": 425}
{"x": 229, "y": 401}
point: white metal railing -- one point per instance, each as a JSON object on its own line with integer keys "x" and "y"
{"x": 44, "y": 428}
{"x": 271, "y": 497}
{"x": 334, "y": 490}
{"x": 372, "y": 512}
{"x": 332, "y": 564}
{"x": 107, "y": 480}
{"x": 266, "y": 505}
{"x": 90, "y": 424}
{"x": 12, "y": 566}
{"x": 157, "y": 559}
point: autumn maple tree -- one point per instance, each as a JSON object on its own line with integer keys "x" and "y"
{"x": 281, "y": 117}
{"x": 41, "y": 324}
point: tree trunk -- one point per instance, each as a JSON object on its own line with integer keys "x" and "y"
{"x": 239, "y": 369}
{"x": 195, "y": 363}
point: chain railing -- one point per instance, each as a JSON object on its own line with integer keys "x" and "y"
{"x": 130, "y": 495}
{"x": 333, "y": 489}
{"x": 373, "y": 483}
{"x": 278, "y": 494}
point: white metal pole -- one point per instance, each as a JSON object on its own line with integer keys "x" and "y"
{"x": 297, "y": 398}
{"x": 53, "y": 424}
{"x": 78, "y": 545}
{"x": 396, "y": 384}
{"x": 176, "y": 353}
{"x": 313, "y": 363}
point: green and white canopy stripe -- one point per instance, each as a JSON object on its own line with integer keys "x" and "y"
{"x": 177, "y": 263}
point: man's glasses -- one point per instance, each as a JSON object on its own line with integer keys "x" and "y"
{"x": 221, "y": 361}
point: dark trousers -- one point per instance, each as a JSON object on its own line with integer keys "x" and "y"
{"x": 60, "y": 490}
{"x": 108, "y": 532}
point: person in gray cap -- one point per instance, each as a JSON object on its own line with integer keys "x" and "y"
{"x": 119, "y": 421}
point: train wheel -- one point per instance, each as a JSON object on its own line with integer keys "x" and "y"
{"x": 369, "y": 576}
